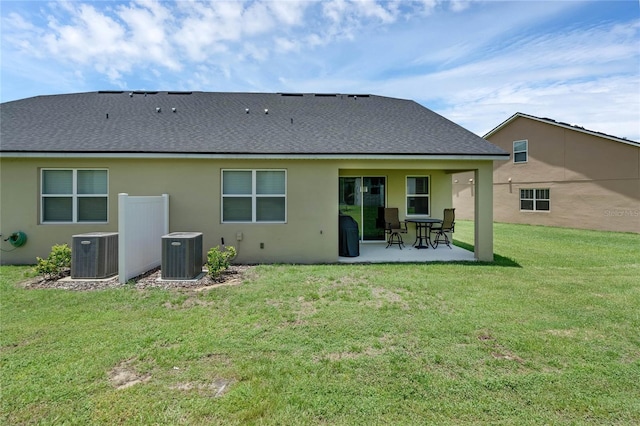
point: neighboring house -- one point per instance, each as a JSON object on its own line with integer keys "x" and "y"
{"x": 560, "y": 175}
{"x": 268, "y": 172}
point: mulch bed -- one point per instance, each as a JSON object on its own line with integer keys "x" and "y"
{"x": 152, "y": 279}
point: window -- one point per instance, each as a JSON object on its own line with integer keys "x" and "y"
{"x": 534, "y": 199}
{"x": 520, "y": 151}
{"x": 254, "y": 196}
{"x": 417, "y": 195}
{"x": 74, "y": 195}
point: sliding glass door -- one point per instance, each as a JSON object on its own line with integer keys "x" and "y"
{"x": 361, "y": 198}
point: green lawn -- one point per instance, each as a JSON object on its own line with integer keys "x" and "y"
{"x": 549, "y": 334}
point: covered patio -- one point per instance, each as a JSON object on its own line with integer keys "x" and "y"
{"x": 420, "y": 188}
{"x": 378, "y": 253}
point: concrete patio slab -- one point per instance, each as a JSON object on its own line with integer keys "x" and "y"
{"x": 378, "y": 253}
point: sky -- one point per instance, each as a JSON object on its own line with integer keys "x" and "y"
{"x": 475, "y": 62}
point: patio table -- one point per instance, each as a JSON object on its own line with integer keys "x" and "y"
{"x": 422, "y": 226}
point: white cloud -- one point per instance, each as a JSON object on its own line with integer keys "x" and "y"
{"x": 285, "y": 45}
{"x": 572, "y": 103}
{"x": 89, "y": 35}
{"x": 532, "y": 61}
{"x": 20, "y": 33}
{"x": 257, "y": 19}
{"x": 15, "y": 22}
{"x": 112, "y": 42}
{"x": 149, "y": 26}
{"x": 205, "y": 27}
{"x": 252, "y": 51}
{"x": 472, "y": 61}
{"x": 427, "y": 6}
{"x": 386, "y": 12}
{"x": 460, "y": 5}
{"x": 290, "y": 13}
{"x": 335, "y": 10}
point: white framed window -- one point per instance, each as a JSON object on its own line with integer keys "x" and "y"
{"x": 520, "y": 151}
{"x": 534, "y": 200}
{"x": 418, "y": 200}
{"x": 74, "y": 195}
{"x": 254, "y": 196}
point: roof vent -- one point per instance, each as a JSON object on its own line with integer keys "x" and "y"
{"x": 131, "y": 94}
{"x": 158, "y": 109}
{"x": 246, "y": 110}
{"x": 266, "y": 111}
{"x": 174, "y": 110}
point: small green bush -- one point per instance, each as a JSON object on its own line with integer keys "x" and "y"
{"x": 219, "y": 260}
{"x": 57, "y": 264}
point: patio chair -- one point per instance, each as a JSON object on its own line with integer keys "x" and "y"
{"x": 393, "y": 227}
{"x": 441, "y": 230}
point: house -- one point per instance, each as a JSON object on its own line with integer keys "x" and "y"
{"x": 560, "y": 175}
{"x": 266, "y": 172}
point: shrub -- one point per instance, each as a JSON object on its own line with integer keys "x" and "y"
{"x": 218, "y": 260}
{"x": 57, "y": 264}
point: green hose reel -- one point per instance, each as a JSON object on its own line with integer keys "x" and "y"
{"x": 17, "y": 239}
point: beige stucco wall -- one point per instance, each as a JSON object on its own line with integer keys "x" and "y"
{"x": 309, "y": 236}
{"x": 463, "y": 188}
{"x": 586, "y": 205}
{"x": 194, "y": 199}
{"x": 594, "y": 182}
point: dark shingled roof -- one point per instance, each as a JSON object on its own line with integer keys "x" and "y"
{"x": 231, "y": 123}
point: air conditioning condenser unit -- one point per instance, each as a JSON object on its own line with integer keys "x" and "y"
{"x": 94, "y": 255}
{"x": 181, "y": 255}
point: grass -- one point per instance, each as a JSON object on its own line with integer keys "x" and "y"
{"x": 548, "y": 334}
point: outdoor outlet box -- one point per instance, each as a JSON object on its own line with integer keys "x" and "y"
{"x": 238, "y": 236}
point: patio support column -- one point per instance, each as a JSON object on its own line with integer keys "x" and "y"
{"x": 483, "y": 181}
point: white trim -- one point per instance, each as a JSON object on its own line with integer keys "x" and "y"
{"x": 413, "y": 157}
{"x": 73, "y": 195}
{"x": 427, "y": 196}
{"x": 535, "y": 200}
{"x": 254, "y": 196}
{"x": 526, "y": 151}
